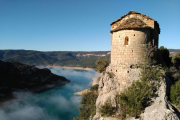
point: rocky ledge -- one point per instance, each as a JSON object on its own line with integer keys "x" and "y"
{"x": 160, "y": 109}
{"x": 20, "y": 77}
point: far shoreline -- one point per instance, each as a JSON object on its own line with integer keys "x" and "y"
{"x": 12, "y": 99}
{"x": 66, "y": 67}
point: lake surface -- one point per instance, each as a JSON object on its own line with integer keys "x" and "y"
{"x": 59, "y": 103}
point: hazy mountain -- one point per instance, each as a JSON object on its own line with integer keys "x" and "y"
{"x": 62, "y": 58}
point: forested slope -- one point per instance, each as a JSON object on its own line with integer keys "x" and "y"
{"x": 61, "y": 58}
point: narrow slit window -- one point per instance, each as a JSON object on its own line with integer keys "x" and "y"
{"x": 126, "y": 41}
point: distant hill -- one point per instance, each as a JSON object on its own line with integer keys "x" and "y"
{"x": 173, "y": 51}
{"x": 20, "y": 77}
{"x": 61, "y": 58}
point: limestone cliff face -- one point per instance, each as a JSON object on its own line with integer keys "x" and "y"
{"x": 107, "y": 92}
{"x": 109, "y": 87}
{"x": 161, "y": 109}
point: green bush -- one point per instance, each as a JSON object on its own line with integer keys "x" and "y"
{"x": 111, "y": 74}
{"x": 176, "y": 60}
{"x": 107, "y": 109}
{"x": 165, "y": 56}
{"x": 101, "y": 65}
{"x": 173, "y": 73}
{"x": 135, "y": 98}
{"x": 175, "y": 94}
{"x": 94, "y": 88}
{"x": 88, "y": 108}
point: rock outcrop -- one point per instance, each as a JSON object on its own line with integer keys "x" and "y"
{"x": 107, "y": 92}
{"x": 110, "y": 85}
{"x": 83, "y": 92}
{"x": 20, "y": 77}
{"x": 160, "y": 109}
{"x": 96, "y": 80}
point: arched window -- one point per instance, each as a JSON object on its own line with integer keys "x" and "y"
{"x": 126, "y": 41}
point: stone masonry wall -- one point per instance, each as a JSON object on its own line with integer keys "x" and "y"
{"x": 124, "y": 58}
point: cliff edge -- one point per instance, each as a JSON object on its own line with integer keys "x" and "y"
{"x": 159, "y": 109}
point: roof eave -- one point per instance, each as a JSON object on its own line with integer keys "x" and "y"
{"x": 130, "y": 28}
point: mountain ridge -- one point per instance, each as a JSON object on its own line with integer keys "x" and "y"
{"x": 60, "y": 58}
{"x": 16, "y": 76}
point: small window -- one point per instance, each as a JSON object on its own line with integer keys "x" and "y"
{"x": 134, "y": 34}
{"x": 116, "y": 70}
{"x": 126, "y": 41}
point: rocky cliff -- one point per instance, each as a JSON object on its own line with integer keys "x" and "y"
{"x": 20, "y": 77}
{"x": 160, "y": 109}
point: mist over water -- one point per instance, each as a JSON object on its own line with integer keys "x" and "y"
{"x": 56, "y": 104}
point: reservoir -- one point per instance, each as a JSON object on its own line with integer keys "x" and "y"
{"x": 59, "y": 103}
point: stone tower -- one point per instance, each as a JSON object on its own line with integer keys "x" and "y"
{"x": 128, "y": 36}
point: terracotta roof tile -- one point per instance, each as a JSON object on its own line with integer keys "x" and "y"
{"x": 131, "y": 23}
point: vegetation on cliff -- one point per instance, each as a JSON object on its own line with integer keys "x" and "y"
{"x": 165, "y": 55}
{"x": 176, "y": 60}
{"x": 94, "y": 88}
{"x": 172, "y": 70}
{"x": 174, "y": 74}
{"x": 107, "y": 109}
{"x": 101, "y": 65}
{"x": 175, "y": 94}
{"x": 88, "y": 101}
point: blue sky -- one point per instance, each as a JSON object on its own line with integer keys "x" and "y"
{"x": 79, "y": 25}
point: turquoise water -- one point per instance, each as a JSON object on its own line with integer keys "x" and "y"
{"x": 56, "y": 104}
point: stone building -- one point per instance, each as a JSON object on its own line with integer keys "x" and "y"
{"x": 129, "y": 34}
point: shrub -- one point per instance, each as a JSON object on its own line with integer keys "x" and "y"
{"x": 173, "y": 74}
{"x": 107, "y": 109}
{"x": 175, "y": 94}
{"x": 88, "y": 108}
{"x": 111, "y": 74}
{"x": 176, "y": 60}
{"x": 165, "y": 56}
{"x": 135, "y": 98}
{"x": 101, "y": 65}
{"x": 94, "y": 88}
